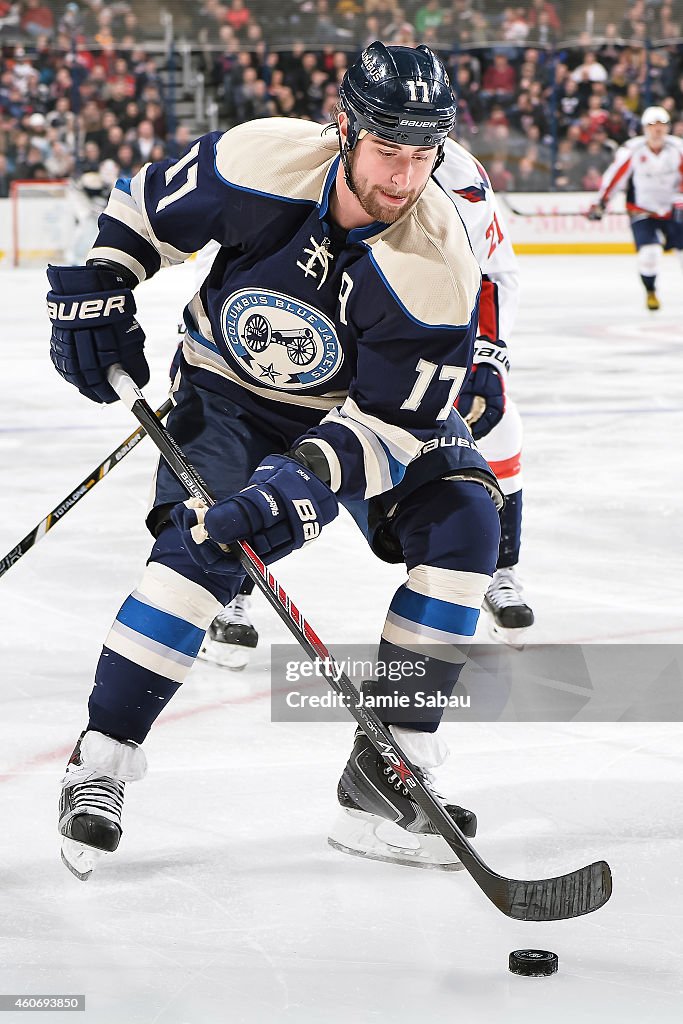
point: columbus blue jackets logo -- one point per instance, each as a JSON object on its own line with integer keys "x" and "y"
{"x": 279, "y": 341}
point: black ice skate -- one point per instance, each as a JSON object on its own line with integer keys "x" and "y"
{"x": 231, "y": 636}
{"x": 378, "y": 819}
{"x": 91, "y": 800}
{"x": 510, "y": 616}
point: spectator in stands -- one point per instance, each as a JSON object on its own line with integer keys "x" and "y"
{"x": 529, "y": 178}
{"x": 131, "y": 116}
{"x": 546, "y": 9}
{"x": 113, "y": 139}
{"x": 542, "y": 31}
{"x": 326, "y": 31}
{"x": 23, "y": 71}
{"x": 507, "y": 112}
{"x": 145, "y": 140}
{"x": 9, "y": 14}
{"x": 180, "y": 143}
{"x": 596, "y": 112}
{"x": 591, "y": 70}
{"x": 524, "y": 113}
{"x": 658, "y": 79}
{"x": 347, "y": 16}
{"x": 479, "y": 28}
{"x": 36, "y": 18}
{"x": 499, "y": 80}
{"x": 514, "y": 26}
{"x": 400, "y": 31}
{"x": 126, "y": 159}
{"x": 632, "y": 100}
{"x": 154, "y": 112}
{"x": 59, "y": 162}
{"x": 469, "y": 99}
{"x": 63, "y": 120}
{"x": 501, "y": 177}
{"x": 32, "y": 167}
{"x": 591, "y": 179}
{"x": 285, "y": 103}
{"x": 121, "y": 75}
{"x": 238, "y": 17}
{"x": 315, "y": 95}
{"x": 618, "y": 78}
{"x": 91, "y": 156}
{"x": 566, "y": 168}
{"x": 621, "y": 122}
{"x": 429, "y": 16}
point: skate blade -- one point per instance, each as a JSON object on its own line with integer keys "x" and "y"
{"x": 516, "y": 638}
{"x": 225, "y": 655}
{"x": 79, "y": 858}
{"x": 367, "y": 835}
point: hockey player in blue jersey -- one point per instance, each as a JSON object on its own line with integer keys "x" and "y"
{"x": 321, "y": 360}
{"x": 484, "y": 401}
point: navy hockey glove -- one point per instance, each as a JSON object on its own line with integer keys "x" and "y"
{"x": 94, "y": 326}
{"x": 481, "y": 401}
{"x": 282, "y": 507}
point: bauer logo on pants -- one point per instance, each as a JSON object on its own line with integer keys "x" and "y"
{"x": 278, "y": 341}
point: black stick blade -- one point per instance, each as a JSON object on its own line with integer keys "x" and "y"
{"x": 557, "y": 899}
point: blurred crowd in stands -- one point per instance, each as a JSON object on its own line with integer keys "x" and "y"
{"x": 546, "y": 91}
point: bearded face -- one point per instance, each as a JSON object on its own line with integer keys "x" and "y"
{"x": 388, "y": 183}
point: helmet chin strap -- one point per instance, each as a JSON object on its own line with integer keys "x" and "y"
{"x": 346, "y": 163}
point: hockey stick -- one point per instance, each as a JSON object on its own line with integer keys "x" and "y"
{"x": 58, "y": 513}
{"x": 537, "y": 213}
{"x": 555, "y": 213}
{"x": 549, "y": 899}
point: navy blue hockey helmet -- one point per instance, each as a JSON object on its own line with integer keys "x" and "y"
{"x": 400, "y": 94}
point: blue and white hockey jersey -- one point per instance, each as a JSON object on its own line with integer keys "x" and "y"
{"x": 357, "y": 342}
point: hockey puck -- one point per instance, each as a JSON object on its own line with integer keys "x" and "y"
{"x": 533, "y": 963}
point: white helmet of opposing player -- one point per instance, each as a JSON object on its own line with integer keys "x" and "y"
{"x": 655, "y": 115}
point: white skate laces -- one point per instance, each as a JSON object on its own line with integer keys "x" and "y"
{"x": 236, "y": 613}
{"x": 91, "y": 801}
{"x": 426, "y": 750}
{"x": 504, "y": 589}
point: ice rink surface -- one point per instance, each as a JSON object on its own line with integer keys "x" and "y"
{"x": 224, "y": 902}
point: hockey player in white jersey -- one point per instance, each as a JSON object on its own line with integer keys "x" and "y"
{"x": 649, "y": 169}
{"x": 484, "y": 402}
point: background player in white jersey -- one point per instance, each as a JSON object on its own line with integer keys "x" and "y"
{"x": 484, "y": 401}
{"x": 320, "y": 364}
{"x": 649, "y": 169}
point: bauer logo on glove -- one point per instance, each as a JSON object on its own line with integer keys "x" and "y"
{"x": 481, "y": 402}
{"x": 93, "y": 327}
{"x": 89, "y": 309}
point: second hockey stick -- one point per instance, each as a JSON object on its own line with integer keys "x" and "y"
{"x": 554, "y": 213}
{"x": 67, "y": 503}
{"x": 548, "y": 899}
